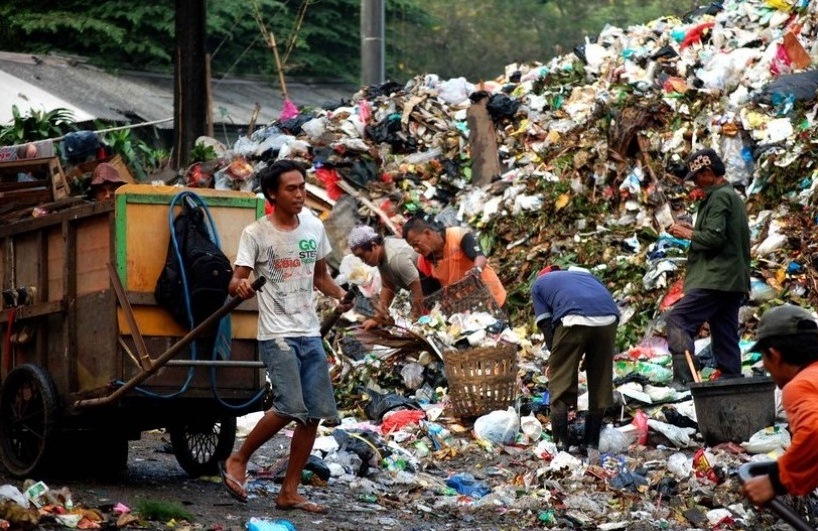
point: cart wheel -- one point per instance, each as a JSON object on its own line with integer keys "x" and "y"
{"x": 199, "y": 445}
{"x": 28, "y": 419}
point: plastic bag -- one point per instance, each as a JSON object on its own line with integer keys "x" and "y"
{"x": 10, "y": 492}
{"x": 399, "y": 419}
{"x": 760, "y": 291}
{"x": 767, "y": 440}
{"x": 531, "y": 427}
{"x": 500, "y": 427}
{"x": 412, "y": 374}
{"x": 380, "y": 404}
{"x": 455, "y": 90}
{"x": 739, "y": 170}
{"x": 315, "y": 127}
{"x": 501, "y": 106}
{"x": 640, "y": 421}
{"x": 679, "y": 465}
{"x": 676, "y": 435}
{"x": 467, "y": 485}
{"x": 612, "y": 441}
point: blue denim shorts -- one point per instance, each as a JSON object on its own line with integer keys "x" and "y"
{"x": 299, "y": 376}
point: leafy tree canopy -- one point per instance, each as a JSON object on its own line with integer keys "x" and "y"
{"x": 321, "y": 38}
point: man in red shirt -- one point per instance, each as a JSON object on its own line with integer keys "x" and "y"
{"x": 788, "y": 340}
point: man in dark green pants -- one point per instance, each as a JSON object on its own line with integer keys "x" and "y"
{"x": 578, "y": 317}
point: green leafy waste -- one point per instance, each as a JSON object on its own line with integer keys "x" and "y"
{"x": 162, "y": 511}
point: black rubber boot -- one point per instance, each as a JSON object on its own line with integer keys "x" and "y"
{"x": 682, "y": 377}
{"x": 593, "y": 428}
{"x": 559, "y": 425}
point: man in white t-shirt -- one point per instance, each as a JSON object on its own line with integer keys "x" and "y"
{"x": 288, "y": 247}
{"x": 397, "y": 264}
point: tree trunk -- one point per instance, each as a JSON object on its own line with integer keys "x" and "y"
{"x": 190, "y": 79}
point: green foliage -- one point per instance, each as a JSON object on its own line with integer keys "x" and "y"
{"x": 36, "y": 125}
{"x": 162, "y": 511}
{"x": 202, "y": 153}
{"x": 139, "y": 156}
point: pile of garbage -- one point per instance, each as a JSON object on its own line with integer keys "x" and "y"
{"x": 590, "y": 148}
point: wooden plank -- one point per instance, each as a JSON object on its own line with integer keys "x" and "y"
{"x": 42, "y": 291}
{"x": 5, "y": 264}
{"x": 55, "y": 218}
{"x": 97, "y": 361}
{"x": 69, "y": 234}
{"x": 93, "y": 254}
{"x": 147, "y": 298}
{"x": 35, "y": 310}
{"x": 154, "y": 321}
{"x": 143, "y": 228}
{"x": 56, "y": 264}
{"x": 46, "y": 169}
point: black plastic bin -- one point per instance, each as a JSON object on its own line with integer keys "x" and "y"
{"x": 733, "y": 409}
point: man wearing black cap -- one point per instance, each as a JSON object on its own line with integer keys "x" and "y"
{"x": 788, "y": 341}
{"x": 718, "y": 271}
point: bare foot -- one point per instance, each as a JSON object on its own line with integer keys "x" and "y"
{"x": 236, "y": 470}
{"x": 289, "y": 503}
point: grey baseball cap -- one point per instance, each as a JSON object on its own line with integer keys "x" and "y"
{"x": 784, "y": 320}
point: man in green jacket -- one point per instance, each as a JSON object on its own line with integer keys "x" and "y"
{"x": 718, "y": 271}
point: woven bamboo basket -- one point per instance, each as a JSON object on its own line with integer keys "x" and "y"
{"x": 467, "y": 294}
{"x": 481, "y": 379}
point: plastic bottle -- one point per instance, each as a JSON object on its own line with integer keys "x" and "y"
{"x": 262, "y": 524}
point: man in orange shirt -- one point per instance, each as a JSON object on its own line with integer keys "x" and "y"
{"x": 454, "y": 253}
{"x": 788, "y": 340}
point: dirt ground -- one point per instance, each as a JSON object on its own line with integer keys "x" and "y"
{"x": 153, "y": 474}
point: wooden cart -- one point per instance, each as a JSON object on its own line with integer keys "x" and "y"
{"x": 79, "y": 323}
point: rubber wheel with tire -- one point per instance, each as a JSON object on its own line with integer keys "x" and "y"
{"x": 199, "y": 445}
{"x": 29, "y": 413}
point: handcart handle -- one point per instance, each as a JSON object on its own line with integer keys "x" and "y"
{"x": 751, "y": 470}
{"x": 175, "y": 349}
{"x": 258, "y": 283}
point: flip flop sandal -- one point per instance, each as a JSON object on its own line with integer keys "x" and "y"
{"x": 228, "y": 480}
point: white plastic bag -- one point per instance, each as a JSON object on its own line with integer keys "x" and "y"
{"x": 679, "y": 465}
{"x": 676, "y": 435}
{"x": 10, "y": 492}
{"x": 455, "y": 91}
{"x": 500, "y": 427}
{"x": 531, "y": 427}
{"x": 767, "y": 440}
{"x": 613, "y": 441}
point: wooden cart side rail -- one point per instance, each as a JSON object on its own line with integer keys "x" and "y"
{"x": 55, "y": 218}
{"x": 147, "y": 298}
{"x": 34, "y": 310}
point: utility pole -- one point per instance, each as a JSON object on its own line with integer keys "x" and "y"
{"x": 373, "y": 52}
{"x": 190, "y": 92}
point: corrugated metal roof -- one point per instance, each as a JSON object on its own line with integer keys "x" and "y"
{"x": 137, "y": 96}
